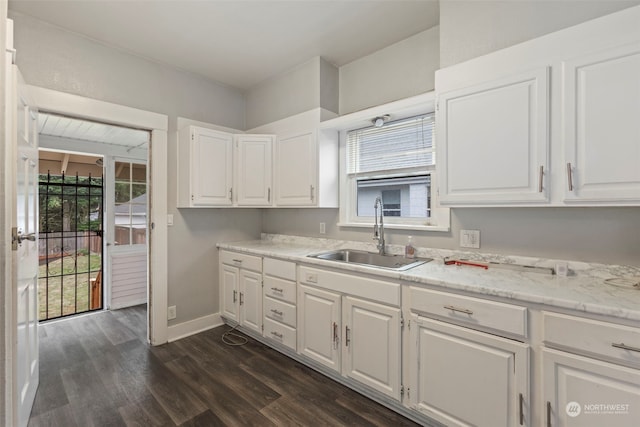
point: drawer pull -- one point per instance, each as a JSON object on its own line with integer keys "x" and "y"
{"x": 239, "y": 261}
{"x": 625, "y": 347}
{"x": 520, "y": 405}
{"x": 460, "y": 310}
{"x": 569, "y": 177}
{"x": 235, "y": 296}
{"x": 548, "y": 414}
{"x": 241, "y": 299}
{"x": 540, "y": 178}
{"x": 347, "y": 339}
{"x": 276, "y": 290}
{"x": 276, "y": 312}
{"x": 276, "y": 334}
{"x": 335, "y": 336}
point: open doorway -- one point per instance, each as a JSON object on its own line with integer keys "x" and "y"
{"x": 70, "y": 232}
{"x": 115, "y": 265}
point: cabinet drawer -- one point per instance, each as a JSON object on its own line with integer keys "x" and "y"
{"x": 279, "y": 268}
{"x": 280, "y": 289}
{"x": 280, "y": 311}
{"x": 281, "y": 333}
{"x": 245, "y": 261}
{"x": 592, "y": 337}
{"x": 474, "y": 312}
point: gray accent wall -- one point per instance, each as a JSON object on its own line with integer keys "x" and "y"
{"x": 310, "y": 85}
{"x": 473, "y": 28}
{"x": 60, "y": 60}
{"x": 398, "y": 71}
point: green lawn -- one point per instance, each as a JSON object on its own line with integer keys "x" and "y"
{"x": 69, "y": 293}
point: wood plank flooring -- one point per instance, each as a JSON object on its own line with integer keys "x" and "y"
{"x": 97, "y": 370}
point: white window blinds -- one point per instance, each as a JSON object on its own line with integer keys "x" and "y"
{"x": 402, "y": 144}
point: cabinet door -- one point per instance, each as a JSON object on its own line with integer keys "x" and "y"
{"x": 584, "y": 392}
{"x": 493, "y": 141}
{"x": 601, "y": 126}
{"x": 211, "y": 167}
{"x": 319, "y": 326}
{"x": 371, "y": 350}
{"x": 296, "y": 170}
{"x": 251, "y": 300}
{"x": 463, "y": 377}
{"x": 229, "y": 278}
{"x": 254, "y": 167}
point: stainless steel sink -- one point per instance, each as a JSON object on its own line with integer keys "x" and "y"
{"x": 352, "y": 256}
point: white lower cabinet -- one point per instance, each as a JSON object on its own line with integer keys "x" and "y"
{"x": 584, "y": 392}
{"x": 463, "y": 377}
{"x": 358, "y": 338}
{"x": 319, "y": 326}
{"x": 241, "y": 289}
{"x": 371, "y": 350}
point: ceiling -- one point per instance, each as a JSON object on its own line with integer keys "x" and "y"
{"x": 84, "y": 130}
{"x": 235, "y": 42}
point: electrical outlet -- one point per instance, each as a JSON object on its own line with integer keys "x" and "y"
{"x": 323, "y": 228}
{"x": 171, "y": 312}
{"x": 470, "y": 239}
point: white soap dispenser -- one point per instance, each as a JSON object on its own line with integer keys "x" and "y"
{"x": 409, "y": 250}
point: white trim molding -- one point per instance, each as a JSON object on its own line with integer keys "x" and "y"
{"x": 92, "y": 109}
{"x": 195, "y": 326}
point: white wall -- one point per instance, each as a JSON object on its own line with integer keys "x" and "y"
{"x": 310, "y": 85}
{"x": 398, "y": 71}
{"x": 63, "y": 61}
{"x": 475, "y": 27}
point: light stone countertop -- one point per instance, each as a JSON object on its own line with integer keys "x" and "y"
{"x": 584, "y": 290}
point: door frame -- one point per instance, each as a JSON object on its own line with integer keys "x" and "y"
{"x": 158, "y": 124}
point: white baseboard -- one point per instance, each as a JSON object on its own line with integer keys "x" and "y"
{"x": 192, "y": 327}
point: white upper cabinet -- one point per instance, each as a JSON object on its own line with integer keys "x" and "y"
{"x": 254, "y": 170}
{"x": 296, "y": 163}
{"x": 553, "y": 120}
{"x": 493, "y": 141}
{"x": 305, "y": 161}
{"x": 213, "y": 171}
{"x": 602, "y": 126}
{"x": 205, "y": 174}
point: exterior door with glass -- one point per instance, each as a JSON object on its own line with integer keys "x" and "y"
{"x": 126, "y": 244}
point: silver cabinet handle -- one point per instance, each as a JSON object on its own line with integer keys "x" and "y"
{"x": 347, "y": 338}
{"x": 569, "y": 177}
{"x": 239, "y": 261}
{"x": 520, "y": 405}
{"x": 276, "y": 312}
{"x": 235, "y": 296}
{"x": 335, "y": 336}
{"x": 241, "y": 298}
{"x": 460, "y": 310}
{"x": 311, "y": 192}
{"x": 548, "y": 414}
{"x": 276, "y": 290}
{"x": 625, "y": 347}
{"x": 276, "y": 334}
{"x": 231, "y": 194}
{"x": 269, "y": 194}
{"x": 540, "y": 178}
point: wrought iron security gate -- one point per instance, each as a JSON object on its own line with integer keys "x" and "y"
{"x": 70, "y": 250}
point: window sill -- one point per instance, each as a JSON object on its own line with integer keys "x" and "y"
{"x": 391, "y": 226}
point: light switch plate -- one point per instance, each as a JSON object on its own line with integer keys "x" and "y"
{"x": 170, "y": 220}
{"x": 470, "y": 239}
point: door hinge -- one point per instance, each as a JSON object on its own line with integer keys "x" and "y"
{"x": 401, "y": 390}
{"x": 401, "y": 322}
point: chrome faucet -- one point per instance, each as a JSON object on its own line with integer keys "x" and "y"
{"x": 378, "y": 230}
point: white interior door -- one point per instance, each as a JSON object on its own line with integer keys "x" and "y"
{"x": 25, "y": 249}
{"x": 127, "y": 233}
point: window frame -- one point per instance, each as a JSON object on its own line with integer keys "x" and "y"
{"x": 440, "y": 216}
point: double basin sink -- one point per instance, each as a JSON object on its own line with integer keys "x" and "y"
{"x": 352, "y": 256}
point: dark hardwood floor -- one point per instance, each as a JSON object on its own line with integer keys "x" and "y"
{"x": 97, "y": 370}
